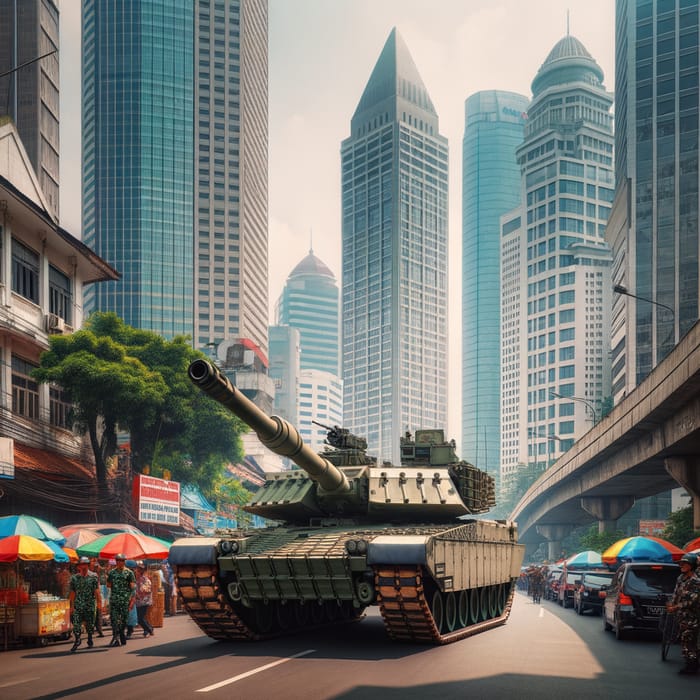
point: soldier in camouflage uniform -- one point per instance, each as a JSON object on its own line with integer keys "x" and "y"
{"x": 686, "y": 605}
{"x": 121, "y": 582}
{"x": 83, "y": 599}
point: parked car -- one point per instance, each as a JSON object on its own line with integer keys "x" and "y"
{"x": 637, "y": 595}
{"x": 587, "y": 594}
{"x": 568, "y": 580}
{"x": 551, "y": 583}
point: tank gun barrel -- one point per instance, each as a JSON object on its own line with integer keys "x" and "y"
{"x": 274, "y": 432}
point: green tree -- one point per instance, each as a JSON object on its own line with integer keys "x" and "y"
{"x": 145, "y": 390}
{"x": 599, "y": 541}
{"x": 107, "y": 388}
{"x": 679, "y": 527}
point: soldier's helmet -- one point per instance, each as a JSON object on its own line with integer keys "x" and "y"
{"x": 83, "y": 560}
{"x": 120, "y": 557}
{"x": 691, "y": 559}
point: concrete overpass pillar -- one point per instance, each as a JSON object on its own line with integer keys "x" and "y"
{"x": 686, "y": 471}
{"x": 607, "y": 509}
{"x": 554, "y": 534}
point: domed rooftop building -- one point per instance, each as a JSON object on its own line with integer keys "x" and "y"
{"x": 309, "y": 302}
{"x": 556, "y": 264}
{"x": 568, "y": 62}
{"x": 311, "y": 265}
{"x": 569, "y": 67}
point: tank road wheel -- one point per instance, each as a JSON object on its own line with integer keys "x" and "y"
{"x": 493, "y": 600}
{"x": 301, "y": 613}
{"x": 473, "y": 606}
{"x": 463, "y": 608}
{"x": 263, "y": 617}
{"x": 451, "y": 611}
{"x": 502, "y": 595}
{"x": 437, "y": 608}
{"x": 284, "y": 615}
{"x": 483, "y": 603}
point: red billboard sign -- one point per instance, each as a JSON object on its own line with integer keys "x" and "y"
{"x": 156, "y": 500}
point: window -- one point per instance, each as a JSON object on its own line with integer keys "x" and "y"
{"x": 25, "y": 272}
{"x": 59, "y": 294}
{"x": 59, "y": 407}
{"x": 25, "y": 390}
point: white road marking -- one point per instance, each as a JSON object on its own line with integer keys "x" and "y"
{"x": 541, "y": 612}
{"x": 241, "y": 676}
{"x": 8, "y": 684}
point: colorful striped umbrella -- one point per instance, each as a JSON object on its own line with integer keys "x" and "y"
{"x": 29, "y": 525}
{"x": 26, "y": 548}
{"x": 130, "y": 545}
{"x": 692, "y": 545}
{"x": 642, "y": 548}
{"x": 81, "y": 536}
{"x": 587, "y": 559}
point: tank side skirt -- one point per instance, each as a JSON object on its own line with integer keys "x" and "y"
{"x": 406, "y": 613}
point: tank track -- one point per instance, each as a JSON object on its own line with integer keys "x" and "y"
{"x": 407, "y": 616}
{"x": 205, "y": 601}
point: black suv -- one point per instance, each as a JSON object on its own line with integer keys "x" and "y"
{"x": 637, "y": 595}
{"x": 587, "y": 592}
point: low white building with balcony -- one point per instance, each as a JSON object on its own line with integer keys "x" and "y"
{"x": 43, "y": 271}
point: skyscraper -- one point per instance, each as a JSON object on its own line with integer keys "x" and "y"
{"x": 309, "y": 302}
{"x": 30, "y": 95}
{"x": 494, "y": 122}
{"x": 394, "y": 257}
{"x": 557, "y": 299}
{"x": 655, "y": 236}
{"x": 175, "y": 163}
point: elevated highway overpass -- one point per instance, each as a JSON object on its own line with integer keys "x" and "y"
{"x": 650, "y": 442}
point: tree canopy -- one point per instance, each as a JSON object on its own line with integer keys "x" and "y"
{"x": 119, "y": 377}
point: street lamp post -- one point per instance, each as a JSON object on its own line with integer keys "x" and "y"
{"x": 583, "y": 401}
{"x": 621, "y": 289}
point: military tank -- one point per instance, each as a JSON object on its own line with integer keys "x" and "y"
{"x": 346, "y": 534}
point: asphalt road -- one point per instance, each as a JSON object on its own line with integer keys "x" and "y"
{"x": 542, "y": 652}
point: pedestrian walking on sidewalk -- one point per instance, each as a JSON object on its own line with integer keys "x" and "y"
{"x": 94, "y": 569}
{"x": 144, "y": 598}
{"x": 686, "y": 605}
{"x": 121, "y": 583}
{"x": 83, "y": 597}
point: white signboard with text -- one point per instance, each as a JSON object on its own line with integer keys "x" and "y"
{"x": 157, "y": 500}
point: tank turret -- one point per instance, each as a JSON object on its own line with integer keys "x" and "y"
{"x": 344, "y": 481}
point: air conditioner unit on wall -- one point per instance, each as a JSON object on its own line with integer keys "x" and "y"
{"x": 55, "y": 324}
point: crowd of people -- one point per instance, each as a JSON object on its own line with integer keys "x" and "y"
{"x": 125, "y": 592}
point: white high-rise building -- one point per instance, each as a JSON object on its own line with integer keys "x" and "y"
{"x": 320, "y": 400}
{"x": 556, "y": 289}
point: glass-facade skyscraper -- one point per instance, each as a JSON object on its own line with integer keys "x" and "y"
{"x": 556, "y": 264}
{"x": 394, "y": 257}
{"x": 309, "y": 302}
{"x": 175, "y": 164}
{"x": 493, "y": 128}
{"x": 655, "y": 239}
{"x": 30, "y": 95}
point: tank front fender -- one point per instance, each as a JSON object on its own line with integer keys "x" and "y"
{"x": 397, "y": 549}
{"x": 193, "y": 550}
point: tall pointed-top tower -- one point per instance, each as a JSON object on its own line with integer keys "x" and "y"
{"x": 394, "y": 288}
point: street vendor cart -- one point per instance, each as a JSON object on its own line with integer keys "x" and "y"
{"x": 42, "y": 620}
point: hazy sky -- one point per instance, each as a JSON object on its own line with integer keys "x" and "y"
{"x": 321, "y": 55}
